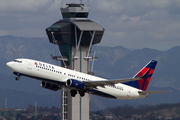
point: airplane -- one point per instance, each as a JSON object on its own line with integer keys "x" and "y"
{"x": 54, "y": 78}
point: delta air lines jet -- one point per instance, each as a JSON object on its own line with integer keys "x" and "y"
{"x": 54, "y": 78}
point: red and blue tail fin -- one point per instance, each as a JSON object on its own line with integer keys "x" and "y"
{"x": 146, "y": 72}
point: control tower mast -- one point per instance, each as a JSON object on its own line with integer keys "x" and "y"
{"x": 75, "y": 34}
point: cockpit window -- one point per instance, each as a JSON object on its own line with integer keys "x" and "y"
{"x": 18, "y": 61}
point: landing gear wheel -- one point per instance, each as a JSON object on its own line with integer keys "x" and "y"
{"x": 17, "y": 78}
{"x": 73, "y": 93}
{"x": 81, "y": 93}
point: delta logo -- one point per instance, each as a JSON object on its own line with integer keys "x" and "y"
{"x": 44, "y": 65}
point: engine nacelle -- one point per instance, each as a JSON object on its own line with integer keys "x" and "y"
{"x": 50, "y": 86}
{"x": 75, "y": 84}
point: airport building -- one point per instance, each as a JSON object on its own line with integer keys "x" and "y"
{"x": 75, "y": 35}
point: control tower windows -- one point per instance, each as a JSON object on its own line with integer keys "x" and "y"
{"x": 54, "y": 28}
{"x": 74, "y": 15}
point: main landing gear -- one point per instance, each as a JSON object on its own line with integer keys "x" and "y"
{"x": 74, "y": 92}
{"x": 81, "y": 93}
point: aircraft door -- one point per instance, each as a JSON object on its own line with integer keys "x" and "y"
{"x": 14, "y": 65}
{"x": 129, "y": 92}
{"x": 29, "y": 65}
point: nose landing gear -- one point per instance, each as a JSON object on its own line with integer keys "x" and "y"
{"x": 17, "y": 78}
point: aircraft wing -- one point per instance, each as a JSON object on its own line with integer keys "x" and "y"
{"x": 152, "y": 92}
{"x": 109, "y": 82}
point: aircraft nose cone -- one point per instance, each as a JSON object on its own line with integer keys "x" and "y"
{"x": 9, "y": 65}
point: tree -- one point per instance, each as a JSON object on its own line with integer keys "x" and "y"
{"x": 20, "y": 117}
{"x": 54, "y": 109}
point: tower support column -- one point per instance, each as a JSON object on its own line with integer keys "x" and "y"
{"x": 78, "y": 107}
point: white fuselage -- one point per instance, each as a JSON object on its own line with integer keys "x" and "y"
{"x": 58, "y": 75}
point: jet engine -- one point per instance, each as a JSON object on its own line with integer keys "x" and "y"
{"x": 50, "y": 86}
{"x": 75, "y": 84}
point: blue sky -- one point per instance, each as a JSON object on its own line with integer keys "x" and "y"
{"x": 133, "y": 24}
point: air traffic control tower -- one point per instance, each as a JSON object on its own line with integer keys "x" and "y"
{"x": 75, "y": 34}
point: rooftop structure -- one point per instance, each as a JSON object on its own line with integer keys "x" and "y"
{"x": 65, "y": 31}
{"x": 75, "y": 11}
